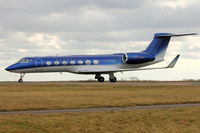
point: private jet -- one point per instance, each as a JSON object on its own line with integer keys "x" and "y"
{"x": 99, "y": 64}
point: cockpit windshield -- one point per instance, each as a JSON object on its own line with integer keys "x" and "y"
{"x": 25, "y": 61}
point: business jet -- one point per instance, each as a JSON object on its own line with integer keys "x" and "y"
{"x": 100, "y": 64}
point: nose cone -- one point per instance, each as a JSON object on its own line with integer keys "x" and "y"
{"x": 8, "y": 68}
{"x": 11, "y": 68}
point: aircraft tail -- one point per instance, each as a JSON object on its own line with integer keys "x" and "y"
{"x": 160, "y": 42}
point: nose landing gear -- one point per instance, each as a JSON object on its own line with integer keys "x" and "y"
{"x": 21, "y": 77}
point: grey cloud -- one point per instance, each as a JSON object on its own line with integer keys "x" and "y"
{"x": 92, "y": 24}
{"x": 41, "y": 6}
{"x": 92, "y": 27}
{"x": 115, "y": 15}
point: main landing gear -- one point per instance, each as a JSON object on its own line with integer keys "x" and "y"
{"x": 21, "y": 77}
{"x": 112, "y": 78}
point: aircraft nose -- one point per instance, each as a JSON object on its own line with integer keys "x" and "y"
{"x": 10, "y": 68}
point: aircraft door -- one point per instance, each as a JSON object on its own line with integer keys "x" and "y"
{"x": 38, "y": 63}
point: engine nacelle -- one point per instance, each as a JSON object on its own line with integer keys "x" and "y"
{"x": 136, "y": 58}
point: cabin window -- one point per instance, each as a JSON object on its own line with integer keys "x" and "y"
{"x": 56, "y": 62}
{"x": 64, "y": 62}
{"x": 80, "y": 62}
{"x": 96, "y": 62}
{"x": 88, "y": 62}
{"x": 72, "y": 62}
{"x": 48, "y": 63}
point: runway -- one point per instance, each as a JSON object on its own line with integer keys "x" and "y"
{"x": 134, "y": 83}
{"x": 104, "y": 109}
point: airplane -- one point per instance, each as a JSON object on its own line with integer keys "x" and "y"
{"x": 100, "y": 64}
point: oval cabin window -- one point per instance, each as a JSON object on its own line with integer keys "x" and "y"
{"x": 72, "y": 62}
{"x": 56, "y": 62}
{"x": 96, "y": 62}
{"x": 80, "y": 62}
{"x": 88, "y": 62}
{"x": 48, "y": 63}
{"x": 64, "y": 62}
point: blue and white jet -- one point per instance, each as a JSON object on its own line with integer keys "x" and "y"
{"x": 99, "y": 64}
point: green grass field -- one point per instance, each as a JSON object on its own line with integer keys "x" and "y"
{"x": 29, "y": 96}
{"x": 58, "y": 95}
{"x": 179, "y": 120}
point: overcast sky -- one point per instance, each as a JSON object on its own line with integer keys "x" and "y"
{"x": 64, "y": 27}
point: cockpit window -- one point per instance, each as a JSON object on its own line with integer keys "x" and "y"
{"x": 25, "y": 61}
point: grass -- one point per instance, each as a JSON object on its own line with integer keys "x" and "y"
{"x": 58, "y": 95}
{"x": 177, "y": 120}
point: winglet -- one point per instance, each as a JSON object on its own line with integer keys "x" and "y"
{"x": 173, "y": 63}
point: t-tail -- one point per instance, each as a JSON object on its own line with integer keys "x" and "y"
{"x": 159, "y": 44}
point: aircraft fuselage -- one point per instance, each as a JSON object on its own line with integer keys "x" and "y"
{"x": 80, "y": 64}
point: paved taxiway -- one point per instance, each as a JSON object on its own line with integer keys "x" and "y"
{"x": 134, "y": 83}
{"x": 102, "y": 109}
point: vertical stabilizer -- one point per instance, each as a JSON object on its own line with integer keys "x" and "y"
{"x": 158, "y": 45}
{"x": 160, "y": 42}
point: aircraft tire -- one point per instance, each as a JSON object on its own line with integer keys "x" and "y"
{"x": 101, "y": 79}
{"x": 20, "y": 80}
{"x": 113, "y": 79}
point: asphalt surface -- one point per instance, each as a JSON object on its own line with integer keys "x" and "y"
{"x": 105, "y": 109}
{"x": 134, "y": 83}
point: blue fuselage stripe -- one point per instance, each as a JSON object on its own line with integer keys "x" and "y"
{"x": 68, "y": 61}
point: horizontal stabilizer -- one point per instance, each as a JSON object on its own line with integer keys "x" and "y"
{"x": 174, "y": 35}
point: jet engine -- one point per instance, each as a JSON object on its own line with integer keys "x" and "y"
{"x": 135, "y": 58}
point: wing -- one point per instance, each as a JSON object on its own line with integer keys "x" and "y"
{"x": 171, "y": 65}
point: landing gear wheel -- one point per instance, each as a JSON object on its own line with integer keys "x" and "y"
{"x": 21, "y": 77}
{"x": 20, "y": 80}
{"x": 113, "y": 79}
{"x": 101, "y": 79}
